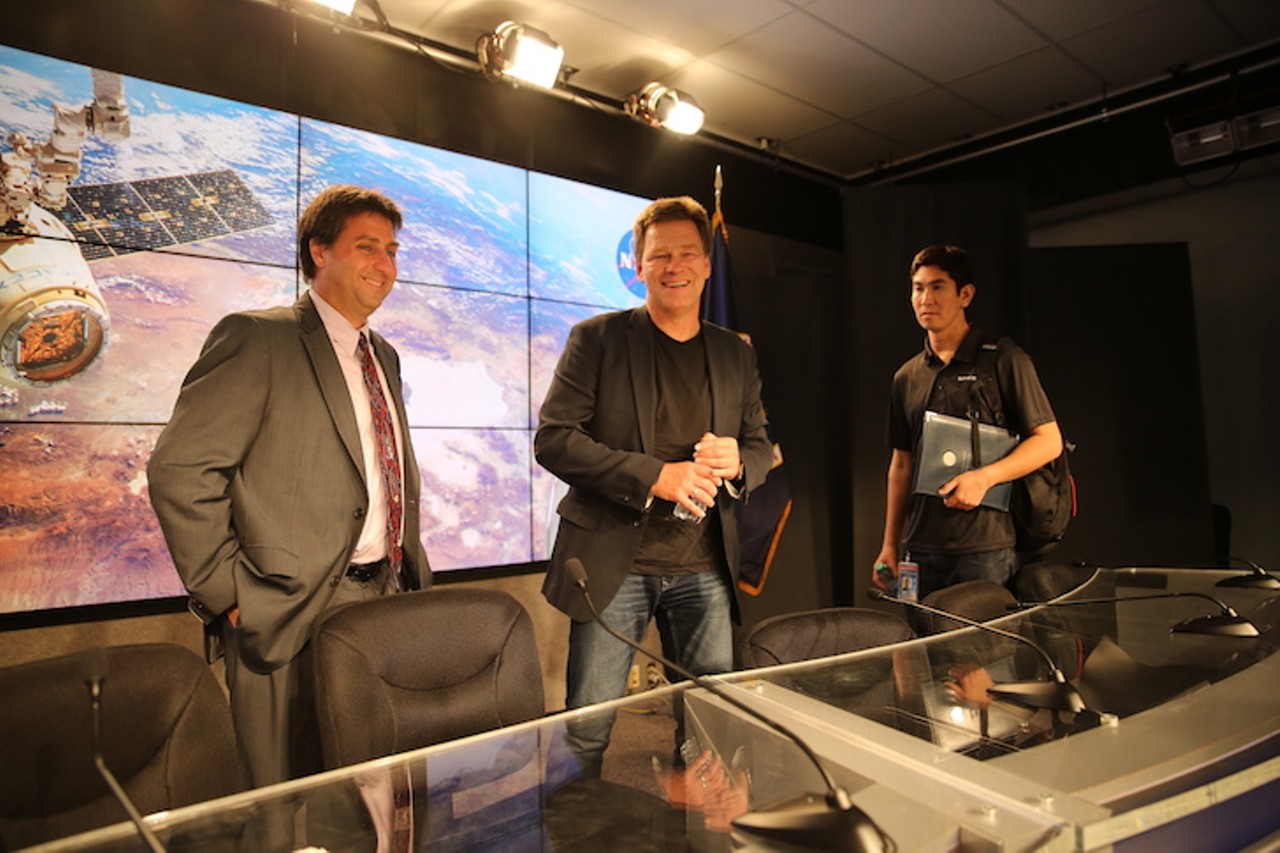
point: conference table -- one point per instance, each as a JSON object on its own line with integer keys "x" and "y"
{"x": 1168, "y": 739}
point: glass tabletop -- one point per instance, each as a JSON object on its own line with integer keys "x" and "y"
{"x": 911, "y": 733}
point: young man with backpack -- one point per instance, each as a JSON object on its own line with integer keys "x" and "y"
{"x": 950, "y": 533}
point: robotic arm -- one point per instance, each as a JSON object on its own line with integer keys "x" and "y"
{"x": 41, "y": 173}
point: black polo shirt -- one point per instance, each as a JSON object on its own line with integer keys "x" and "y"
{"x": 926, "y": 383}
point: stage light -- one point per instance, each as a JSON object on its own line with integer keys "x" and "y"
{"x": 1202, "y": 143}
{"x": 1224, "y": 135}
{"x": 1257, "y": 128}
{"x": 521, "y": 53}
{"x": 661, "y": 106}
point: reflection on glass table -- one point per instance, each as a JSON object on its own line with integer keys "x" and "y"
{"x": 1180, "y": 733}
{"x": 1180, "y": 749}
{"x": 518, "y": 788}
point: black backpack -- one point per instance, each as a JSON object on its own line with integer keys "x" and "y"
{"x": 1044, "y": 501}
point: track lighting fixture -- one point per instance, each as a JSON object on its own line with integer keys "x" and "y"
{"x": 519, "y": 52}
{"x": 661, "y": 106}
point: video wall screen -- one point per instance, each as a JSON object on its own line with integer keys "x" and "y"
{"x": 183, "y": 209}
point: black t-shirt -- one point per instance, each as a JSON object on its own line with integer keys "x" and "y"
{"x": 670, "y": 545}
{"x": 926, "y": 383}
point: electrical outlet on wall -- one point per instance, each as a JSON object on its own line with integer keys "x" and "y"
{"x": 652, "y": 676}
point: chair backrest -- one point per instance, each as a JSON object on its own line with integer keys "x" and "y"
{"x": 1066, "y": 633}
{"x": 1045, "y": 581}
{"x": 410, "y": 670}
{"x": 166, "y": 735}
{"x": 978, "y": 600}
{"x": 811, "y": 634}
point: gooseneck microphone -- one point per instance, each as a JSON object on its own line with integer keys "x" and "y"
{"x": 1055, "y": 694}
{"x": 836, "y": 825}
{"x": 1225, "y": 623}
{"x": 95, "y": 672}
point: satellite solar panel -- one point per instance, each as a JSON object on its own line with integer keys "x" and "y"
{"x": 95, "y": 251}
{"x": 151, "y": 213}
{"x": 231, "y": 199}
{"x": 121, "y": 216}
{"x": 180, "y": 208}
{"x": 92, "y": 244}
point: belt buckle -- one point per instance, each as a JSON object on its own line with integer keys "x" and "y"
{"x": 363, "y": 573}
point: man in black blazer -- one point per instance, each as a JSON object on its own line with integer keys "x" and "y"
{"x": 268, "y": 481}
{"x": 652, "y": 415}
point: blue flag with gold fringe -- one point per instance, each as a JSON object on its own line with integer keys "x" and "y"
{"x": 762, "y": 518}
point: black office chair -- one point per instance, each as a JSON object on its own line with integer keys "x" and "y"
{"x": 978, "y": 600}
{"x": 1064, "y": 633}
{"x": 406, "y": 671}
{"x": 411, "y": 670}
{"x": 810, "y": 634}
{"x": 166, "y": 735}
{"x": 864, "y": 686}
{"x": 1045, "y": 581}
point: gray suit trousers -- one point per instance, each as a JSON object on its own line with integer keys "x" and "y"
{"x": 275, "y": 712}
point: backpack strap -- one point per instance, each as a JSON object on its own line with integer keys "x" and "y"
{"x": 985, "y": 363}
{"x": 987, "y": 358}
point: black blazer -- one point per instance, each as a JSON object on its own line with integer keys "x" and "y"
{"x": 596, "y": 433}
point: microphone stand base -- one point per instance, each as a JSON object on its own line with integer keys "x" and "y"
{"x": 1220, "y": 626}
{"x": 807, "y": 822}
{"x": 1253, "y": 580}
{"x": 1050, "y": 695}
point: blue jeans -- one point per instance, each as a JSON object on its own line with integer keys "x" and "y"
{"x": 939, "y": 570}
{"x": 696, "y": 625}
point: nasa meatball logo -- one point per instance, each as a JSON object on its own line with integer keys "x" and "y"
{"x": 627, "y": 265}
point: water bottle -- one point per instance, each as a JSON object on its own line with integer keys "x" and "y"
{"x": 680, "y": 512}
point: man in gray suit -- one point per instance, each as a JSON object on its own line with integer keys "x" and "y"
{"x": 652, "y": 415}
{"x": 275, "y": 481}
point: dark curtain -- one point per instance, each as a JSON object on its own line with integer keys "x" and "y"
{"x": 884, "y": 227}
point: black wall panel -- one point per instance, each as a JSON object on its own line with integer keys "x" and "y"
{"x": 1113, "y": 334}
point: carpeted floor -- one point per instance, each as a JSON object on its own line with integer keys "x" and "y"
{"x": 639, "y": 735}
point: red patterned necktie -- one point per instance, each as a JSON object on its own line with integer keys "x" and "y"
{"x": 388, "y": 458}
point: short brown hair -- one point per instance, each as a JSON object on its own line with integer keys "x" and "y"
{"x": 328, "y": 213}
{"x": 676, "y": 209}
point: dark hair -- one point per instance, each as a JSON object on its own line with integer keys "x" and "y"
{"x": 680, "y": 208}
{"x": 953, "y": 260}
{"x": 328, "y": 213}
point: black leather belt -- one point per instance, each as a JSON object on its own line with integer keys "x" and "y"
{"x": 366, "y": 571}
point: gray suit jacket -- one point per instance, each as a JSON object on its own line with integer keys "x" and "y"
{"x": 258, "y": 478}
{"x": 596, "y": 433}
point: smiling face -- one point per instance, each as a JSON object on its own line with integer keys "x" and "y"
{"x": 674, "y": 267}
{"x": 357, "y": 271}
{"x": 938, "y": 302}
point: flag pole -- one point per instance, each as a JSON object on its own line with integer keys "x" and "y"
{"x": 762, "y": 519}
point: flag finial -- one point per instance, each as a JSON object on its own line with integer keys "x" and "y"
{"x": 717, "y": 216}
